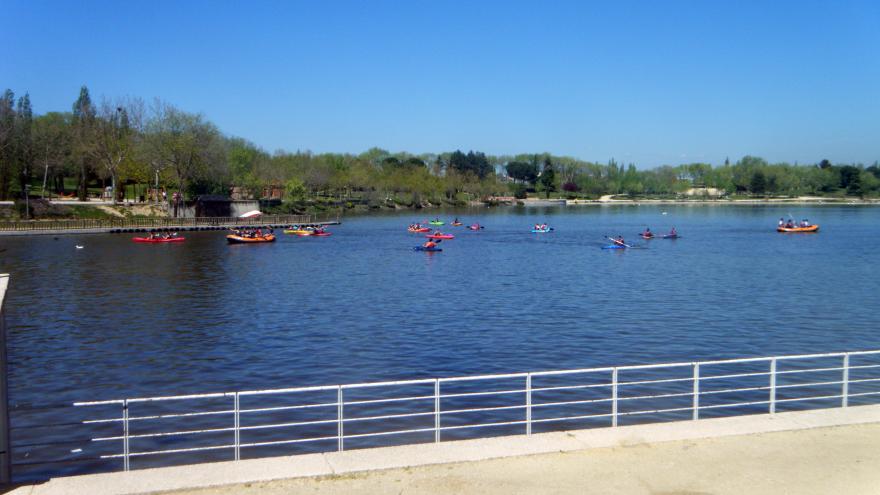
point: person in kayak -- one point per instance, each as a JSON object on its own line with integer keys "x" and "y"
{"x": 430, "y": 244}
{"x": 781, "y": 222}
{"x": 619, "y": 241}
{"x": 647, "y": 232}
{"x": 673, "y": 232}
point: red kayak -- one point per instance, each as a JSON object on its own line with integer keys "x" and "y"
{"x": 419, "y": 230}
{"x": 158, "y": 239}
{"x": 321, "y": 234}
{"x": 440, "y": 236}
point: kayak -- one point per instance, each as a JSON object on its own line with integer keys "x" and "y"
{"x": 298, "y": 231}
{"x": 647, "y": 236}
{"x": 423, "y": 229}
{"x": 436, "y": 222}
{"x": 158, "y": 239}
{"x": 440, "y": 236}
{"x": 237, "y": 239}
{"x": 428, "y": 250}
{"x": 542, "y": 231}
{"x": 671, "y": 236}
{"x": 457, "y": 224}
{"x": 475, "y": 227}
{"x": 322, "y": 234}
{"x": 811, "y": 228}
{"x": 613, "y": 246}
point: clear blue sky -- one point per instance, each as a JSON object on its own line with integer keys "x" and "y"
{"x": 642, "y": 81}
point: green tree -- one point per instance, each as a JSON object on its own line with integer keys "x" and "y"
{"x": 7, "y": 133}
{"x": 523, "y": 171}
{"x": 185, "y": 143}
{"x": 548, "y": 177}
{"x": 850, "y": 179}
{"x": 24, "y": 142}
{"x": 83, "y": 129}
{"x": 758, "y": 183}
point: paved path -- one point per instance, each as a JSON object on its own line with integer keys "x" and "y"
{"x": 843, "y": 459}
{"x": 821, "y": 451}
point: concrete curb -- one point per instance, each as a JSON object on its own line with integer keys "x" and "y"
{"x": 335, "y": 463}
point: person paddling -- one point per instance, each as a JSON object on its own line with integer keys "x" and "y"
{"x": 619, "y": 241}
{"x": 673, "y": 232}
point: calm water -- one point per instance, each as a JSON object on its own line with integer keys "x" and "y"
{"x": 118, "y": 319}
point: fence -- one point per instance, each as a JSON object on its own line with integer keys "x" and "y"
{"x": 153, "y": 223}
{"x": 160, "y": 431}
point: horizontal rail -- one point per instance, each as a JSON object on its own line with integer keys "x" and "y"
{"x": 489, "y": 400}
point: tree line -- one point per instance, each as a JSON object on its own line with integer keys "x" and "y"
{"x": 125, "y": 142}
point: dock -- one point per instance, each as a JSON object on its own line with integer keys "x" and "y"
{"x": 149, "y": 224}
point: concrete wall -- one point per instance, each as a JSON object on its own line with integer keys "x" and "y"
{"x": 237, "y": 208}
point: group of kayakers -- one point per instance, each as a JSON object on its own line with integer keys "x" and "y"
{"x": 253, "y": 233}
{"x": 541, "y": 226}
{"x": 647, "y": 234}
{"x": 791, "y": 224}
{"x": 154, "y": 236}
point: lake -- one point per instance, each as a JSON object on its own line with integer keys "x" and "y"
{"x": 118, "y": 319}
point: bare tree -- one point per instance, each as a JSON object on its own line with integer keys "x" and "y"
{"x": 117, "y": 126}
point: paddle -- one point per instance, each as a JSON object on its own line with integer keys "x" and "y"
{"x": 615, "y": 241}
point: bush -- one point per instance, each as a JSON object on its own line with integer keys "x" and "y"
{"x": 520, "y": 191}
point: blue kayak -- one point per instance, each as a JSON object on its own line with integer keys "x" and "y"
{"x": 541, "y": 231}
{"x": 430, "y": 250}
{"x": 613, "y": 246}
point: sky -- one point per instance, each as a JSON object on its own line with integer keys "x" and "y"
{"x": 642, "y": 82}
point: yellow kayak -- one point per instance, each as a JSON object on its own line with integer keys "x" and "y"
{"x": 299, "y": 232}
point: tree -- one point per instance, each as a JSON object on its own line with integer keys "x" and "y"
{"x": 474, "y": 162}
{"x": 183, "y": 142}
{"x": 522, "y": 171}
{"x": 548, "y": 177}
{"x": 83, "y": 128}
{"x": 52, "y": 146}
{"x": 824, "y": 164}
{"x": 24, "y": 142}
{"x": 7, "y": 132}
{"x": 758, "y": 183}
{"x": 850, "y": 179}
{"x": 116, "y": 128}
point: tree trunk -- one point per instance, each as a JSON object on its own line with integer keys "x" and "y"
{"x": 82, "y": 182}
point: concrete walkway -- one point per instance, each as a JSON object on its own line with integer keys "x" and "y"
{"x": 824, "y": 451}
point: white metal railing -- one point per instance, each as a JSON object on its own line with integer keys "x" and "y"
{"x": 430, "y": 409}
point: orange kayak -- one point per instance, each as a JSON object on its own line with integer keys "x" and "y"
{"x": 811, "y": 228}
{"x": 237, "y": 239}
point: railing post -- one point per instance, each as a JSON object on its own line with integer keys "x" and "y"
{"x": 237, "y": 429}
{"x": 437, "y": 410}
{"x": 529, "y": 404}
{"x": 773, "y": 386}
{"x": 844, "y": 401}
{"x": 125, "y": 449}
{"x": 614, "y": 397}
{"x": 696, "y": 391}
{"x": 340, "y": 432}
